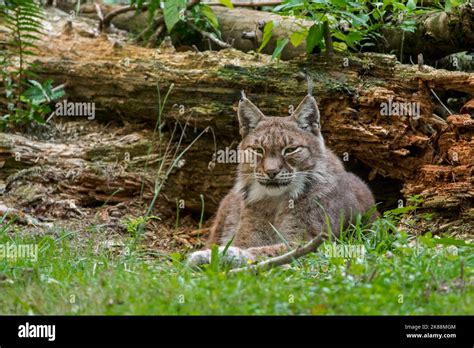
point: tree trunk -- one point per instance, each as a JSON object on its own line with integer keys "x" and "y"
{"x": 438, "y": 34}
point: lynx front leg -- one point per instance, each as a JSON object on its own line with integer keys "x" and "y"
{"x": 267, "y": 251}
{"x": 236, "y": 256}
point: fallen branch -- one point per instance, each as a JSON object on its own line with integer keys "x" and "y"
{"x": 105, "y": 23}
{"x": 284, "y": 259}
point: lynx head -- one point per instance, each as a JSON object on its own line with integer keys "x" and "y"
{"x": 287, "y": 150}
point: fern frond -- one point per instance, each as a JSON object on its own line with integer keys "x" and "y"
{"x": 24, "y": 19}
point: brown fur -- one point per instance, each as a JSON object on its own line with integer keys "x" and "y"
{"x": 309, "y": 174}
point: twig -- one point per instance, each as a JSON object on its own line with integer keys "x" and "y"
{"x": 105, "y": 23}
{"x": 99, "y": 12}
{"x": 210, "y": 36}
{"x": 309, "y": 247}
{"x": 420, "y": 61}
{"x": 440, "y": 101}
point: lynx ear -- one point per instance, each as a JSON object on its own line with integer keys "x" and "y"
{"x": 249, "y": 116}
{"x": 307, "y": 115}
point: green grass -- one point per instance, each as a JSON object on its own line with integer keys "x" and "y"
{"x": 399, "y": 274}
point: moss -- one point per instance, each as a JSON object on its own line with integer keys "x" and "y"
{"x": 111, "y": 152}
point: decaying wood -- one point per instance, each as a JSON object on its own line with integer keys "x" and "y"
{"x": 89, "y": 173}
{"x": 205, "y": 87}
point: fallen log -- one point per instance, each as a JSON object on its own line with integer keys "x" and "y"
{"x": 391, "y": 152}
{"x": 437, "y": 35}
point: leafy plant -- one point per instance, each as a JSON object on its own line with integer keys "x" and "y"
{"x": 352, "y": 24}
{"x": 27, "y": 99}
{"x": 133, "y": 225}
{"x": 181, "y": 18}
{"x": 23, "y": 19}
{"x": 33, "y": 105}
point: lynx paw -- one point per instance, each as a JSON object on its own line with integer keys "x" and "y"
{"x": 234, "y": 256}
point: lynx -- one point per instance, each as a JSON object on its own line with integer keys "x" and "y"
{"x": 287, "y": 195}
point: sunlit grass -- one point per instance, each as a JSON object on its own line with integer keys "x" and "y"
{"x": 398, "y": 274}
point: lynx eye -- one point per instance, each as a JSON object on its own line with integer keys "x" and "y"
{"x": 291, "y": 150}
{"x": 258, "y": 150}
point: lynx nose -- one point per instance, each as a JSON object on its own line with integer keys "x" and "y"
{"x": 272, "y": 173}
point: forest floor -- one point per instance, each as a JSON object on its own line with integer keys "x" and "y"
{"x": 99, "y": 270}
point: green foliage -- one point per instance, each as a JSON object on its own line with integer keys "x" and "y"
{"x": 400, "y": 274}
{"x": 135, "y": 225}
{"x": 314, "y": 37}
{"x": 179, "y": 20}
{"x": 173, "y": 12}
{"x": 23, "y": 19}
{"x": 354, "y": 24}
{"x": 280, "y": 45}
{"x": 267, "y": 35}
{"x": 33, "y": 104}
{"x": 27, "y": 99}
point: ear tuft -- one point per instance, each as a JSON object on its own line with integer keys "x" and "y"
{"x": 307, "y": 116}
{"x": 249, "y": 116}
{"x": 309, "y": 81}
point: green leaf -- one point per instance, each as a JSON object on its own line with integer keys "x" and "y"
{"x": 280, "y": 45}
{"x": 172, "y": 12}
{"x": 209, "y": 14}
{"x": 452, "y": 241}
{"x": 39, "y": 91}
{"x": 227, "y": 3}
{"x": 400, "y": 211}
{"x": 214, "y": 265}
{"x": 38, "y": 118}
{"x": 411, "y": 5}
{"x": 315, "y": 37}
{"x": 297, "y": 38}
{"x": 229, "y": 243}
{"x": 339, "y": 46}
{"x": 399, "y": 6}
{"x": 448, "y": 6}
{"x": 267, "y": 34}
